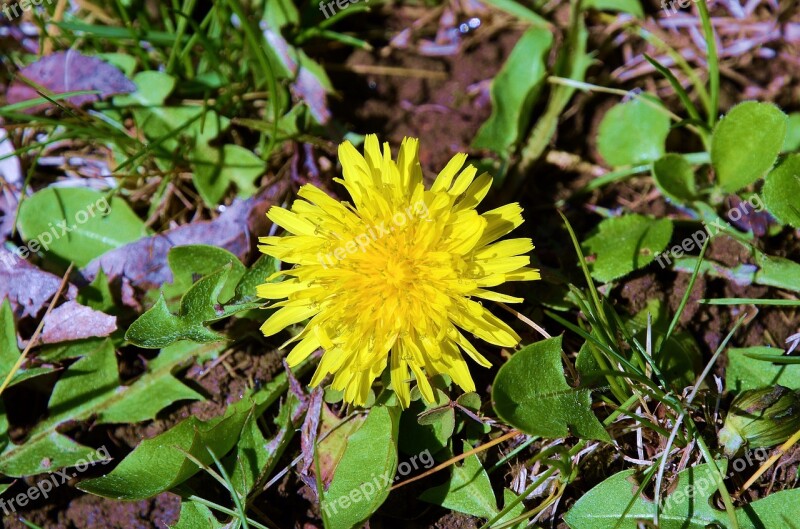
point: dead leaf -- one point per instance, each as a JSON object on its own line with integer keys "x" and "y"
{"x": 73, "y": 321}
{"x": 11, "y": 181}
{"x": 27, "y": 287}
{"x": 69, "y": 71}
{"x": 143, "y": 263}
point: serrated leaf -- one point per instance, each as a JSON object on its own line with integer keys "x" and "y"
{"x": 531, "y": 394}
{"x": 79, "y": 223}
{"x": 745, "y": 373}
{"x": 160, "y": 463}
{"x": 514, "y": 90}
{"x": 633, "y": 132}
{"x": 746, "y": 143}
{"x": 675, "y": 178}
{"x": 782, "y": 189}
{"x": 624, "y": 244}
{"x": 190, "y": 262}
{"x": 468, "y": 491}
{"x": 158, "y": 327}
{"x": 90, "y": 388}
{"x": 361, "y": 480}
{"x": 256, "y": 275}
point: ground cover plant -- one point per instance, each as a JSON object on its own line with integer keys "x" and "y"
{"x": 496, "y": 264}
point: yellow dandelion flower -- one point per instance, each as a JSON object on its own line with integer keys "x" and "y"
{"x": 393, "y": 278}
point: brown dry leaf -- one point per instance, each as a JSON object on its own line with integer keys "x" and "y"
{"x": 143, "y": 264}
{"x": 69, "y": 71}
{"x": 27, "y": 287}
{"x": 73, "y": 321}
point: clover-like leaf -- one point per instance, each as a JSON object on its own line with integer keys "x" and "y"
{"x": 675, "y": 178}
{"x": 746, "y": 143}
{"x": 633, "y": 132}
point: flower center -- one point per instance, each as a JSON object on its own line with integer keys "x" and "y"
{"x": 398, "y": 273}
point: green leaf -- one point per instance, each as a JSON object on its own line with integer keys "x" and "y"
{"x": 792, "y": 141}
{"x": 679, "y": 358}
{"x": 427, "y": 426}
{"x": 781, "y": 190}
{"x": 531, "y": 394}
{"x": 196, "y": 516}
{"x": 217, "y": 168}
{"x": 361, "y": 480}
{"x": 152, "y": 89}
{"x": 77, "y": 224}
{"x": 675, "y": 178}
{"x": 97, "y": 294}
{"x": 257, "y": 274}
{"x": 624, "y": 244}
{"x": 9, "y": 352}
{"x": 777, "y": 272}
{"x": 626, "y": 6}
{"x": 745, "y": 373}
{"x": 160, "y": 463}
{"x": 746, "y": 143}
{"x": 612, "y": 504}
{"x": 91, "y": 388}
{"x": 255, "y": 458}
{"x": 190, "y": 262}
{"x": 633, "y": 132}
{"x": 158, "y": 327}
{"x": 514, "y": 91}
{"x": 588, "y": 368}
{"x": 468, "y": 491}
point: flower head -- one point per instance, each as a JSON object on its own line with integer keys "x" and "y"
{"x": 393, "y": 278}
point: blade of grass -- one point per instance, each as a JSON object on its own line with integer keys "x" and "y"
{"x": 549, "y": 472}
{"x": 726, "y": 498}
{"x": 712, "y": 59}
{"x": 752, "y": 301}
{"x": 685, "y": 299}
{"x": 258, "y": 47}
